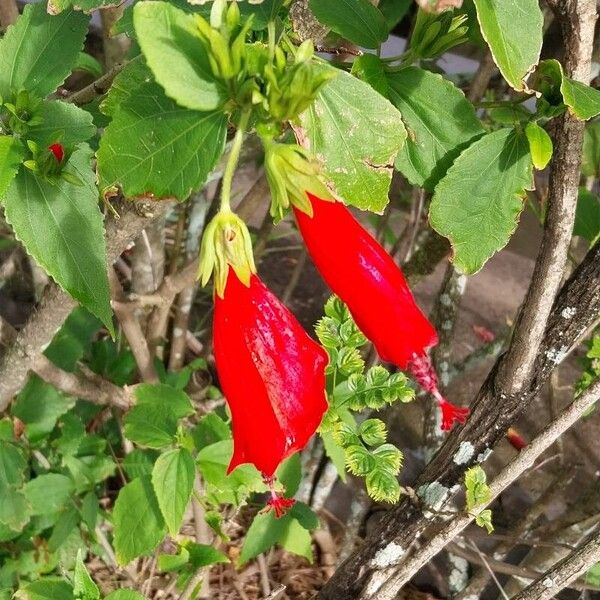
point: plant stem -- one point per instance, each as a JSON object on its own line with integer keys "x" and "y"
{"x": 232, "y": 161}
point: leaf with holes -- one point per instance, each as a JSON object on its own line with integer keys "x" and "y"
{"x": 356, "y": 134}
{"x": 478, "y": 203}
{"x": 38, "y": 52}
{"x": 152, "y": 146}
{"x": 514, "y": 33}
{"x": 62, "y": 227}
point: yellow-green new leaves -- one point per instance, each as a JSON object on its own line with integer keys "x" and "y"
{"x": 514, "y": 32}
{"x": 540, "y": 145}
{"x": 478, "y": 493}
{"x": 478, "y": 203}
{"x": 356, "y": 134}
{"x": 38, "y": 52}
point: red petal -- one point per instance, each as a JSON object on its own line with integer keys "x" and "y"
{"x": 271, "y": 372}
{"x": 359, "y": 270}
{"x": 58, "y": 151}
{"x": 279, "y": 505}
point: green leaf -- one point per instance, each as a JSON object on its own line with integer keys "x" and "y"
{"x": 38, "y": 52}
{"x": 335, "y": 453}
{"x": 138, "y": 523}
{"x": 12, "y": 154}
{"x": 394, "y": 11}
{"x": 440, "y": 122}
{"x": 175, "y": 53}
{"x": 173, "y": 480}
{"x": 46, "y": 589}
{"x": 12, "y": 465}
{"x": 150, "y": 425}
{"x": 478, "y": 203}
{"x": 86, "y": 62}
{"x": 289, "y": 474}
{"x": 514, "y": 33}
{"x": 125, "y": 595}
{"x": 125, "y": 84}
{"x": 84, "y": 587}
{"x": 48, "y": 493}
{"x": 61, "y": 226}
{"x": 14, "y": 508}
{"x": 266, "y": 531}
{"x": 160, "y": 395}
{"x": 590, "y": 165}
{"x": 373, "y": 432}
{"x": 138, "y": 463}
{"x": 593, "y": 575}
{"x": 264, "y": 12}
{"x": 383, "y": 486}
{"x": 389, "y": 457}
{"x": 587, "y": 216}
{"x": 39, "y": 405}
{"x": 484, "y": 519}
{"x": 202, "y": 555}
{"x": 583, "y": 100}
{"x": 63, "y": 529}
{"x": 209, "y": 430}
{"x": 305, "y": 515}
{"x": 62, "y": 122}
{"x": 154, "y": 146}
{"x": 540, "y": 145}
{"x": 89, "y": 510}
{"x": 359, "y": 460}
{"x": 356, "y": 20}
{"x": 57, "y": 6}
{"x": 297, "y": 539}
{"x": 370, "y": 68}
{"x": 356, "y": 134}
{"x": 478, "y": 491}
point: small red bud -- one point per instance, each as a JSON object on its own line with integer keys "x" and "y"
{"x": 279, "y": 505}
{"x": 515, "y": 439}
{"x": 58, "y": 151}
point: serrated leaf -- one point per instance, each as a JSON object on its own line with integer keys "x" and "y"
{"x": 202, "y": 555}
{"x": 173, "y": 480}
{"x": 84, "y": 587}
{"x": 12, "y": 465}
{"x": 484, "y": 519}
{"x": 173, "y": 562}
{"x": 344, "y": 435}
{"x": 373, "y": 432}
{"x": 305, "y": 515}
{"x": 583, "y": 100}
{"x": 356, "y": 20}
{"x": 350, "y": 361}
{"x": 12, "y": 154}
{"x": 440, "y": 122}
{"x": 38, "y": 52}
{"x": 264, "y": 532}
{"x": 327, "y": 332}
{"x": 356, "y": 134}
{"x": 383, "y": 486}
{"x": 50, "y": 588}
{"x": 176, "y": 401}
{"x": 62, "y": 227}
{"x": 138, "y": 523}
{"x": 149, "y": 425}
{"x": 152, "y": 146}
{"x": 351, "y": 335}
{"x": 540, "y": 145}
{"x": 125, "y": 84}
{"x": 57, "y": 6}
{"x": 15, "y": 510}
{"x": 587, "y": 216}
{"x": 478, "y": 203}
{"x": 48, "y": 493}
{"x": 388, "y": 457}
{"x": 514, "y": 33}
{"x": 477, "y": 490}
{"x": 297, "y": 539}
{"x": 72, "y": 124}
{"x": 590, "y": 163}
{"x": 358, "y": 460}
{"x": 174, "y": 51}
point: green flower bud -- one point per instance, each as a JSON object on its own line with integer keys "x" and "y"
{"x": 226, "y": 243}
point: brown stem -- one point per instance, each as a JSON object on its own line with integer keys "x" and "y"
{"x": 9, "y": 12}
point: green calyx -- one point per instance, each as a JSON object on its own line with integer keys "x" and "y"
{"x": 435, "y": 34}
{"x": 21, "y": 114}
{"x": 292, "y": 174}
{"x": 226, "y": 243}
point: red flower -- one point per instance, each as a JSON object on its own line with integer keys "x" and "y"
{"x": 271, "y": 372}
{"x": 58, "y": 151}
{"x": 365, "y": 277}
{"x": 279, "y": 505}
{"x": 515, "y": 439}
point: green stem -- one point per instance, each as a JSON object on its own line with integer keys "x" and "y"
{"x": 232, "y": 161}
{"x": 271, "y": 31}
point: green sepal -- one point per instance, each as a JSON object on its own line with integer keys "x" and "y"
{"x": 226, "y": 243}
{"x": 292, "y": 174}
